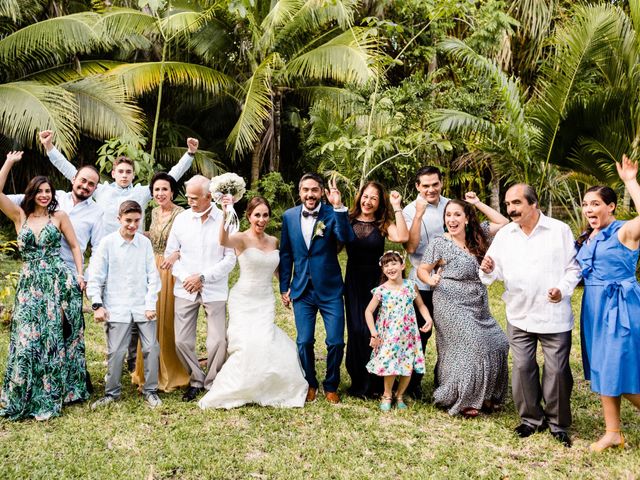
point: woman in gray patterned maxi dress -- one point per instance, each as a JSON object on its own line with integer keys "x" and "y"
{"x": 472, "y": 349}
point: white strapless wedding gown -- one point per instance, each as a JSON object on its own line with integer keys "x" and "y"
{"x": 262, "y": 365}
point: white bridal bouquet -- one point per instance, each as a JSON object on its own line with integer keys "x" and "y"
{"x": 232, "y": 185}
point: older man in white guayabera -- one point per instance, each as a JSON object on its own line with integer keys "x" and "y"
{"x": 202, "y": 279}
{"x": 535, "y": 257}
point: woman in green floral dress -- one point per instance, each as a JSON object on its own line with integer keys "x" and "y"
{"x": 44, "y": 370}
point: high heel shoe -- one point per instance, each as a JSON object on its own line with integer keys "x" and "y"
{"x": 597, "y": 448}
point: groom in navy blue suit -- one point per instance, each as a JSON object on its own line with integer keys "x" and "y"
{"x": 311, "y": 279}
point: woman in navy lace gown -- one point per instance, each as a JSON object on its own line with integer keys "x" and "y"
{"x": 374, "y": 217}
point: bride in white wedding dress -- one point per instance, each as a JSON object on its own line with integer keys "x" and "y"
{"x": 262, "y": 365}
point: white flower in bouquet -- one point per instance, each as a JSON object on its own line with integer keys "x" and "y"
{"x": 232, "y": 185}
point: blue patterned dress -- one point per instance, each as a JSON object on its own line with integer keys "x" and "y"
{"x": 401, "y": 350}
{"x": 610, "y": 320}
{"x": 46, "y": 364}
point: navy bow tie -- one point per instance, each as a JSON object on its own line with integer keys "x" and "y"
{"x": 306, "y": 214}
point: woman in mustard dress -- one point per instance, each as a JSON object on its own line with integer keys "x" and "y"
{"x": 171, "y": 375}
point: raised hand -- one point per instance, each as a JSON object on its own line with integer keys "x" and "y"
{"x": 192, "y": 145}
{"x": 421, "y": 206}
{"x": 627, "y": 169}
{"x": 472, "y": 198}
{"x": 14, "y": 157}
{"x": 333, "y": 194}
{"x": 46, "y": 138}
{"x": 395, "y": 199}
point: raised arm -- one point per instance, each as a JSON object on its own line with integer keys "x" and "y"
{"x": 56, "y": 158}
{"x": 235, "y": 240}
{"x": 629, "y": 234}
{"x": 416, "y": 226}
{"x": 398, "y": 231}
{"x": 184, "y": 164}
{"x": 9, "y": 208}
{"x": 496, "y": 219}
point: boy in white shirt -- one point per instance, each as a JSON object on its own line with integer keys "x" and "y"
{"x": 123, "y": 288}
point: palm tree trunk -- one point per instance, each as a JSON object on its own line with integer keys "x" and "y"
{"x": 274, "y": 160}
{"x": 495, "y": 193}
{"x": 255, "y": 165}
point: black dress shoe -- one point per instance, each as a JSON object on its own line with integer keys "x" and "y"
{"x": 563, "y": 438}
{"x": 523, "y": 430}
{"x": 191, "y": 394}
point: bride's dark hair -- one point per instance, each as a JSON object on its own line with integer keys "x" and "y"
{"x": 253, "y": 203}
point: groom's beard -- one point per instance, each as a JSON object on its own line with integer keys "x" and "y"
{"x": 308, "y": 206}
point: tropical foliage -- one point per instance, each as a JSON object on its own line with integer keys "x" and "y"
{"x": 493, "y": 91}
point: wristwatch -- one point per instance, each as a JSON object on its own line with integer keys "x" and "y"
{"x": 202, "y": 279}
{"x": 95, "y": 306}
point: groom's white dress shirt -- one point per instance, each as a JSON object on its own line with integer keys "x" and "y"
{"x": 109, "y": 196}
{"x": 531, "y": 265}
{"x": 307, "y": 223}
{"x": 200, "y": 253}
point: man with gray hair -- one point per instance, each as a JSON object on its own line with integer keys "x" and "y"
{"x": 202, "y": 275}
{"x": 534, "y": 256}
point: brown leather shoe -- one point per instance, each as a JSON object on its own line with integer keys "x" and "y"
{"x": 332, "y": 397}
{"x": 311, "y": 394}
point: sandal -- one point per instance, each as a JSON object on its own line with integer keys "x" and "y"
{"x": 385, "y": 403}
{"x": 596, "y": 447}
{"x": 400, "y": 405}
{"x": 470, "y": 412}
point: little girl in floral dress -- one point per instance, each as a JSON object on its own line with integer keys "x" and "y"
{"x": 395, "y": 339}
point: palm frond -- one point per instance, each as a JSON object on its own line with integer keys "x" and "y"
{"x": 577, "y": 47}
{"x": 70, "y": 72}
{"x": 29, "y": 107}
{"x": 49, "y": 42}
{"x": 256, "y": 111}
{"x": 339, "y": 101}
{"x": 310, "y": 18}
{"x": 507, "y": 88}
{"x": 465, "y": 124}
{"x": 17, "y": 10}
{"x": 347, "y": 58}
{"x": 126, "y": 27}
{"x": 212, "y": 42}
{"x": 141, "y": 78}
{"x": 183, "y": 22}
{"x": 105, "y": 110}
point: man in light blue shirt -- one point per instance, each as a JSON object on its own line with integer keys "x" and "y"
{"x": 123, "y": 287}
{"x": 109, "y": 196}
{"x": 425, "y": 221}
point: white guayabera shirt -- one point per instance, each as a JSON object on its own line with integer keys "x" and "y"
{"x": 123, "y": 276}
{"x": 109, "y": 196}
{"x": 529, "y": 266}
{"x": 200, "y": 253}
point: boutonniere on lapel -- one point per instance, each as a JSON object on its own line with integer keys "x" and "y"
{"x": 319, "y": 231}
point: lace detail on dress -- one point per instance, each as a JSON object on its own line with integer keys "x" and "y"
{"x": 363, "y": 229}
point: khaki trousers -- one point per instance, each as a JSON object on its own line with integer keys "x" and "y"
{"x": 185, "y": 322}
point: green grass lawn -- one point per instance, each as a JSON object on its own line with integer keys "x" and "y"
{"x": 350, "y": 440}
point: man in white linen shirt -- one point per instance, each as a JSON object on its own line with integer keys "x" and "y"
{"x": 109, "y": 196}
{"x": 425, "y": 221}
{"x": 535, "y": 258}
{"x": 202, "y": 277}
{"x": 123, "y": 288}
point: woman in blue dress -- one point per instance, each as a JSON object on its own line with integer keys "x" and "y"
{"x": 610, "y": 320}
